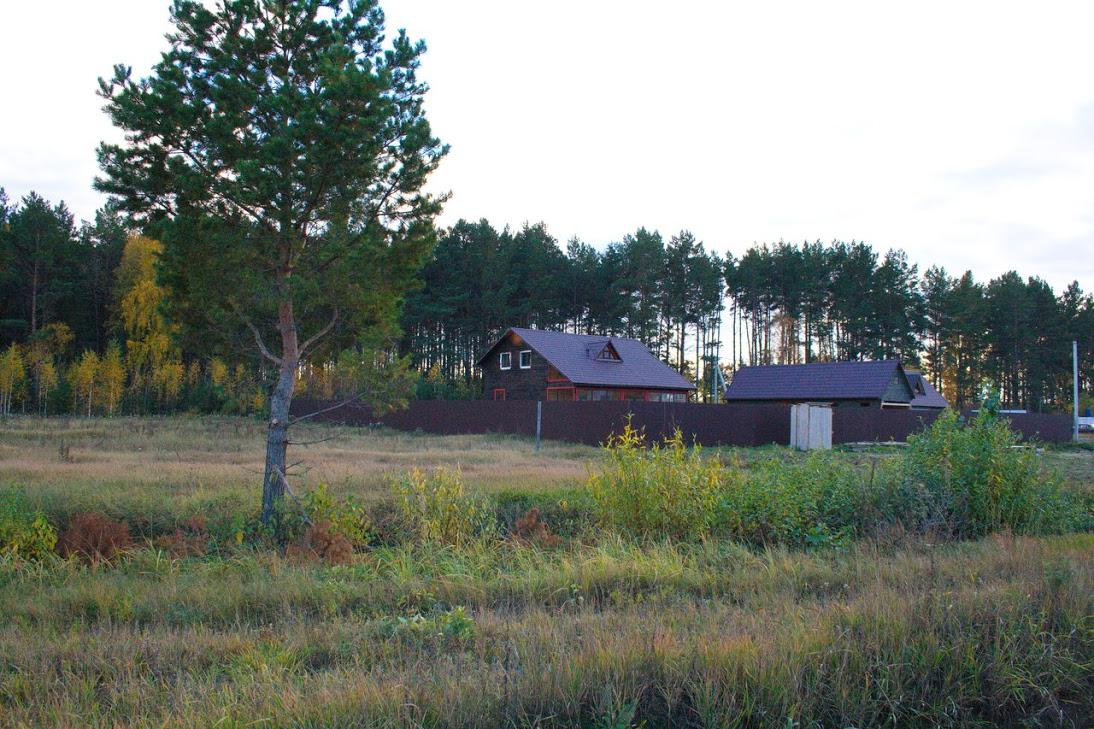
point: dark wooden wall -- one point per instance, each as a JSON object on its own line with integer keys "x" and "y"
{"x": 530, "y": 384}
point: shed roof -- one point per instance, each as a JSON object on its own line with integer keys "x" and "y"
{"x": 575, "y": 357}
{"x": 816, "y": 381}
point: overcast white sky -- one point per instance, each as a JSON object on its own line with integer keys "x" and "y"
{"x": 961, "y": 132}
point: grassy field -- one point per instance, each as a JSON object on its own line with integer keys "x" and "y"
{"x": 602, "y": 631}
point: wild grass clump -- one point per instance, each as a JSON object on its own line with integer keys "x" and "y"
{"x": 94, "y": 538}
{"x": 340, "y": 516}
{"x": 190, "y": 539}
{"x": 453, "y": 627}
{"x": 967, "y": 479}
{"x": 656, "y": 489}
{"x": 25, "y": 533}
{"x": 818, "y": 501}
{"x": 438, "y": 509}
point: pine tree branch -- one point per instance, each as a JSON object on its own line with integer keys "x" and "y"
{"x": 257, "y": 334}
{"x": 319, "y": 334}
{"x": 312, "y": 414}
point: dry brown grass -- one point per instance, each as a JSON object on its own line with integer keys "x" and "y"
{"x": 155, "y": 472}
{"x": 94, "y": 538}
{"x": 200, "y": 452}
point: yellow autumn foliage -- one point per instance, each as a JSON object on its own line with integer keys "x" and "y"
{"x": 111, "y": 379}
{"x": 12, "y": 375}
{"x": 148, "y": 334}
{"x": 82, "y": 376}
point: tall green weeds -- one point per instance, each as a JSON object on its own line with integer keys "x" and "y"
{"x": 958, "y": 479}
{"x": 967, "y": 479}
{"x": 439, "y": 509}
{"x": 818, "y": 501}
{"x": 24, "y": 532}
{"x": 665, "y": 489}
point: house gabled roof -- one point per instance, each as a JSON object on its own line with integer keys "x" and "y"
{"x": 817, "y": 381}
{"x": 575, "y": 356}
{"x": 925, "y": 394}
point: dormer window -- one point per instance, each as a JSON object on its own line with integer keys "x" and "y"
{"x": 526, "y": 359}
{"x": 505, "y": 360}
{"x": 607, "y": 353}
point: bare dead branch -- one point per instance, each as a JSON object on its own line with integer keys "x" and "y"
{"x": 311, "y": 442}
{"x": 290, "y": 492}
{"x": 343, "y": 403}
{"x": 257, "y": 334}
{"x": 320, "y": 334}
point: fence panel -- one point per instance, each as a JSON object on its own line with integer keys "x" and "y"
{"x": 709, "y": 425}
{"x": 857, "y": 425}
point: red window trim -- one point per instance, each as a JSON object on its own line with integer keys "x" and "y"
{"x": 498, "y": 390}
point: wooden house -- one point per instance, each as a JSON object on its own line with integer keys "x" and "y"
{"x": 531, "y": 364}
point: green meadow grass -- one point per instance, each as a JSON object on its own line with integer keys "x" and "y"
{"x": 603, "y": 631}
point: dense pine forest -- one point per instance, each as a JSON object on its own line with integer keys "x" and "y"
{"x": 780, "y": 303}
{"x": 85, "y": 322}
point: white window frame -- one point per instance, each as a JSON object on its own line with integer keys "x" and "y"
{"x": 520, "y": 359}
{"x": 505, "y": 361}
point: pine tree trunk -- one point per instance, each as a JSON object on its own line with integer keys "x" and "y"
{"x": 34, "y": 299}
{"x": 277, "y": 434}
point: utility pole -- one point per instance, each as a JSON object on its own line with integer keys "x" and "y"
{"x": 1075, "y": 388}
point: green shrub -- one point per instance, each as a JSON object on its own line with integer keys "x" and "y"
{"x": 24, "y": 532}
{"x": 438, "y": 508}
{"x": 814, "y": 502}
{"x": 666, "y": 489}
{"x": 453, "y": 626}
{"x": 569, "y": 511}
{"x": 971, "y": 478}
{"x": 340, "y": 516}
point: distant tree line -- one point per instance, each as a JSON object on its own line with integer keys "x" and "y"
{"x": 87, "y": 326}
{"x": 84, "y": 327}
{"x": 774, "y": 304}
{"x": 82, "y": 302}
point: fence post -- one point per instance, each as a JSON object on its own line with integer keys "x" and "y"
{"x": 539, "y": 421}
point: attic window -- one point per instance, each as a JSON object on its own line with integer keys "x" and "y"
{"x": 526, "y": 359}
{"x": 608, "y": 354}
{"x": 505, "y": 360}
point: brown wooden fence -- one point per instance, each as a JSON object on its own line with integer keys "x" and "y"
{"x": 593, "y": 422}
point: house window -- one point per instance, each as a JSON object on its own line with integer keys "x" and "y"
{"x": 505, "y": 360}
{"x": 499, "y": 393}
{"x": 560, "y": 393}
{"x": 526, "y": 359}
{"x": 667, "y": 397}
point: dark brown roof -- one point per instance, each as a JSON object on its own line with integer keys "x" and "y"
{"x": 815, "y": 381}
{"x": 575, "y": 356}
